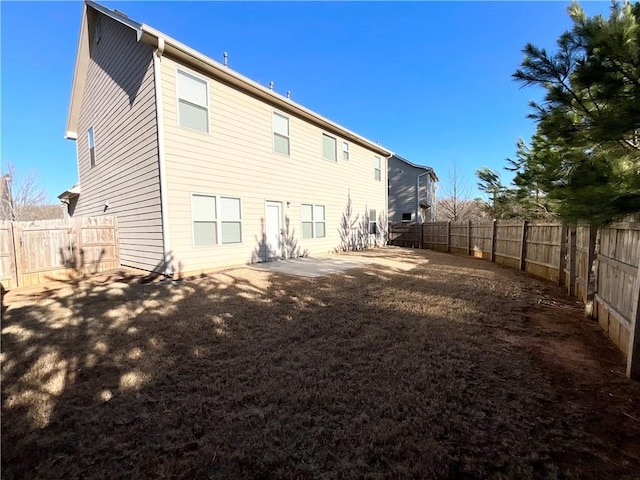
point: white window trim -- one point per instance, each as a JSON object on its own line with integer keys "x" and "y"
{"x": 322, "y": 147}
{"x": 346, "y": 150}
{"x": 218, "y": 221}
{"x": 273, "y": 132}
{"x": 376, "y": 169}
{"x": 313, "y": 220}
{"x": 188, "y": 71}
{"x": 375, "y": 220}
{"x": 95, "y": 155}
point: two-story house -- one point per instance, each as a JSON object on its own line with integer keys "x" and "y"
{"x": 203, "y": 167}
{"x": 412, "y": 192}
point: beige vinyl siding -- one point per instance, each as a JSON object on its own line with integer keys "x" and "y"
{"x": 236, "y": 158}
{"x": 119, "y": 103}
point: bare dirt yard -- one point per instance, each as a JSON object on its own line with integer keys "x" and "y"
{"x": 422, "y": 365}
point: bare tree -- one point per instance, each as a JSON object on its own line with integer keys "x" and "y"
{"x": 347, "y": 229}
{"x": 382, "y": 229}
{"x": 22, "y": 197}
{"x": 455, "y": 203}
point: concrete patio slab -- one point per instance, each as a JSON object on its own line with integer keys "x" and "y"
{"x": 311, "y": 266}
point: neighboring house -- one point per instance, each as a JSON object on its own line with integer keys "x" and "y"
{"x": 412, "y": 192}
{"x": 203, "y": 167}
{"x": 31, "y": 213}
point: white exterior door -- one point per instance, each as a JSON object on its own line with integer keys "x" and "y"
{"x": 273, "y": 228}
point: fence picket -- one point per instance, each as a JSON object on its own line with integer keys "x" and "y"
{"x": 601, "y": 267}
{"x": 48, "y": 250}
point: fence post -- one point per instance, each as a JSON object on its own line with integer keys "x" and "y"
{"x": 591, "y": 258}
{"x": 116, "y": 237}
{"x": 633, "y": 352}
{"x": 562, "y": 261}
{"x": 449, "y": 236}
{"x": 468, "y": 237}
{"x": 594, "y": 279}
{"x": 571, "y": 288}
{"x": 493, "y": 240}
{"x": 422, "y": 236}
{"x": 16, "y": 247}
{"x": 77, "y": 230}
{"x": 523, "y": 245}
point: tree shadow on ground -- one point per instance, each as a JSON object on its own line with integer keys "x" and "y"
{"x": 247, "y": 374}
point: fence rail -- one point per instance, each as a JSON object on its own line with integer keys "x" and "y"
{"x": 601, "y": 268}
{"x": 37, "y": 252}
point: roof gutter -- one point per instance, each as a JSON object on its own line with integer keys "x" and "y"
{"x": 195, "y": 59}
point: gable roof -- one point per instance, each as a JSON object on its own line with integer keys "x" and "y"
{"x": 422, "y": 167}
{"x": 194, "y": 59}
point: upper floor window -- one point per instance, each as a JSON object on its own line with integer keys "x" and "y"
{"x": 328, "y": 147}
{"x": 193, "y": 102}
{"x": 92, "y": 147}
{"x": 313, "y": 223}
{"x": 377, "y": 172}
{"x": 345, "y": 151}
{"x": 281, "y": 134}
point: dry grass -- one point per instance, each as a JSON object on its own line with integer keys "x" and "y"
{"x": 425, "y": 365}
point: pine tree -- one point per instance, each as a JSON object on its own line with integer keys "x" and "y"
{"x": 501, "y": 199}
{"x": 585, "y": 155}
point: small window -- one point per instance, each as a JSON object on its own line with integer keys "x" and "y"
{"x": 281, "y": 134}
{"x": 373, "y": 225}
{"x": 205, "y": 226}
{"x": 377, "y": 173}
{"x": 216, "y": 220}
{"x": 230, "y": 220}
{"x": 92, "y": 147}
{"x": 345, "y": 151}
{"x": 193, "y": 102}
{"x": 328, "y": 147}
{"x": 406, "y": 217}
{"x": 318, "y": 221}
{"x": 307, "y": 221}
{"x": 313, "y": 221}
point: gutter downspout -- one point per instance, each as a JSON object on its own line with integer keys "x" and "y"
{"x": 386, "y": 196}
{"x": 157, "y": 75}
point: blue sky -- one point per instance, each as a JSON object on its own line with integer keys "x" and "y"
{"x": 429, "y": 80}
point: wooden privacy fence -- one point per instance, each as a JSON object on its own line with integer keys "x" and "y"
{"x": 37, "y": 252}
{"x": 601, "y": 268}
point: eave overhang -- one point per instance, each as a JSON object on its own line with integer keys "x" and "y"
{"x": 208, "y": 66}
{"x": 71, "y": 193}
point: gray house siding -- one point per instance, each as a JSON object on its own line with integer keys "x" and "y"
{"x": 119, "y": 104}
{"x": 403, "y": 185}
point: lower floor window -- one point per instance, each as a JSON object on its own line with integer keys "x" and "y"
{"x": 373, "y": 226}
{"x": 216, "y": 219}
{"x": 313, "y": 222}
